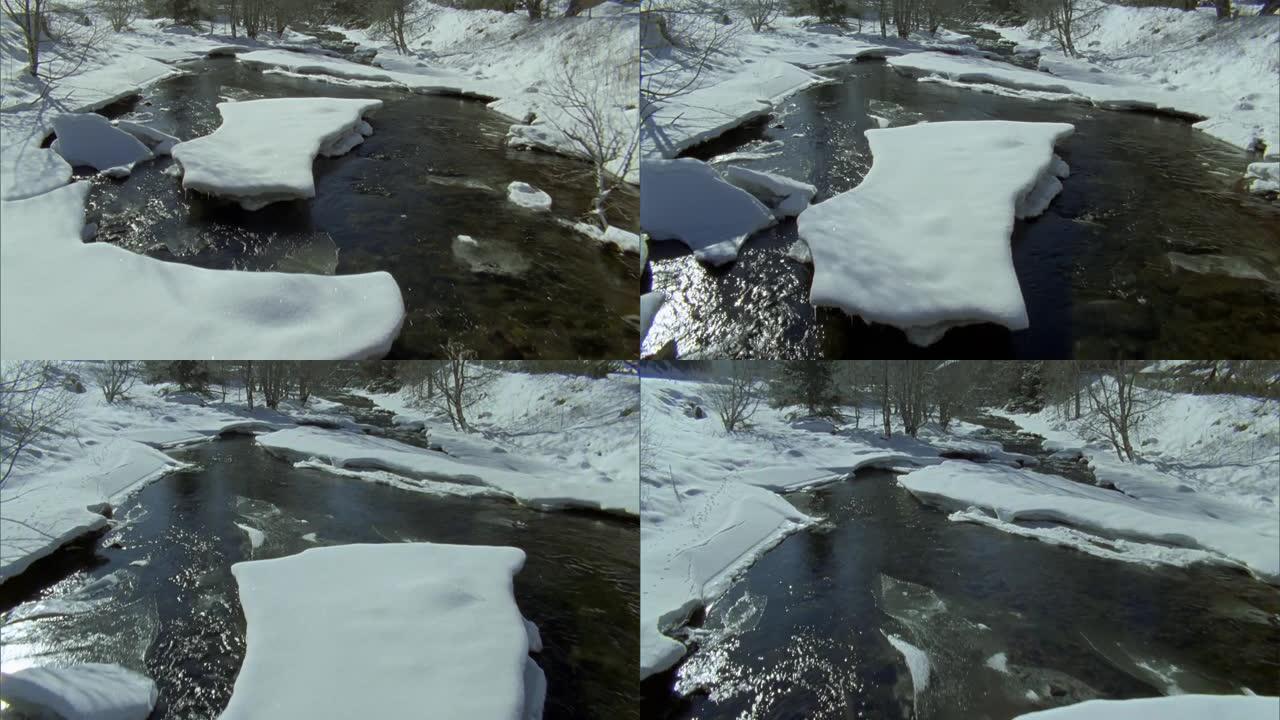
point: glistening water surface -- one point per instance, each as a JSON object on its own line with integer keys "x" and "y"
{"x": 1151, "y": 250}
{"x": 161, "y": 599}
{"x": 1009, "y": 624}
{"x": 436, "y": 168}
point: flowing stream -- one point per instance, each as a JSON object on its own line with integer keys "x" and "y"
{"x": 156, "y": 593}
{"x": 1151, "y": 250}
{"x": 1006, "y": 625}
{"x": 435, "y": 168}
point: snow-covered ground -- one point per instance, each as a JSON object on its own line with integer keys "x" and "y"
{"x": 1162, "y": 57}
{"x": 1205, "y": 490}
{"x": 916, "y": 265}
{"x": 549, "y": 440}
{"x": 709, "y": 504}
{"x": 407, "y": 626}
{"x": 85, "y": 691}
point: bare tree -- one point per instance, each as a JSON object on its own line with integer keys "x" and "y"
{"x": 120, "y": 13}
{"x": 115, "y": 377}
{"x": 461, "y": 383}
{"x": 33, "y": 403}
{"x": 1119, "y": 405}
{"x": 759, "y": 13}
{"x": 678, "y": 39}
{"x": 58, "y": 40}
{"x": 392, "y": 20}
{"x": 737, "y": 397}
{"x": 911, "y": 394}
{"x": 592, "y": 119}
{"x": 1066, "y": 21}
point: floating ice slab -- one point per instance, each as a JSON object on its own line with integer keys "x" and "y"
{"x": 146, "y": 308}
{"x": 687, "y": 200}
{"x": 650, "y": 304}
{"x": 90, "y": 691}
{"x": 1010, "y": 496}
{"x": 528, "y": 196}
{"x": 1263, "y": 177}
{"x": 923, "y": 243}
{"x": 264, "y": 149}
{"x": 387, "y": 631}
{"x": 917, "y": 663}
{"x": 1179, "y": 707}
{"x": 89, "y": 139}
{"x": 784, "y": 196}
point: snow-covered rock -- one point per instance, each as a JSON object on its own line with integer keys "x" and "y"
{"x": 129, "y": 306}
{"x": 528, "y": 196}
{"x": 89, "y": 139}
{"x": 1263, "y": 177}
{"x": 687, "y": 200}
{"x": 923, "y": 242}
{"x": 1154, "y": 531}
{"x": 1178, "y": 707}
{"x": 784, "y": 196}
{"x": 386, "y": 631}
{"x": 88, "y": 691}
{"x": 264, "y": 149}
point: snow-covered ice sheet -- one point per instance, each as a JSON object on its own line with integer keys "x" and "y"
{"x": 930, "y": 225}
{"x": 1011, "y": 495}
{"x": 687, "y": 200}
{"x": 89, "y": 139}
{"x": 677, "y": 124}
{"x": 650, "y": 304}
{"x": 172, "y": 311}
{"x": 784, "y": 196}
{"x": 88, "y": 691}
{"x": 1178, "y": 707}
{"x": 264, "y": 150}
{"x": 388, "y": 631}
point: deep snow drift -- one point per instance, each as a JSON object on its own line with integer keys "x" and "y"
{"x": 386, "y": 631}
{"x": 264, "y": 149}
{"x": 88, "y": 691}
{"x": 142, "y": 308}
{"x": 944, "y": 261}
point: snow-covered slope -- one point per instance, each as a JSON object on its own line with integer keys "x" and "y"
{"x": 1179, "y": 707}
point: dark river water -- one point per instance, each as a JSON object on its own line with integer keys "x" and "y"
{"x": 177, "y": 618}
{"x": 1151, "y": 250}
{"x": 804, "y": 632}
{"x": 435, "y": 168}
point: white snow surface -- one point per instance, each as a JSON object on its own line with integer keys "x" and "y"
{"x": 784, "y": 196}
{"x": 918, "y": 265}
{"x": 688, "y": 200}
{"x": 88, "y": 691}
{"x": 173, "y": 311}
{"x": 528, "y": 196}
{"x": 89, "y": 139}
{"x": 1263, "y": 177}
{"x": 264, "y": 149}
{"x": 407, "y": 626}
{"x": 1178, "y": 707}
{"x": 546, "y": 440}
{"x": 650, "y": 304}
{"x": 1011, "y": 495}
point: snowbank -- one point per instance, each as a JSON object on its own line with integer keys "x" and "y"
{"x": 1263, "y": 177}
{"x": 919, "y": 265}
{"x": 528, "y": 196}
{"x": 1180, "y": 707}
{"x": 386, "y": 630}
{"x": 677, "y": 124}
{"x": 650, "y": 304}
{"x": 687, "y": 200}
{"x": 1011, "y": 495}
{"x": 89, "y": 691}
{"x": 264, "y": 149}
{"x": 90, "y": 139}
{"x": 172, "y": 311}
